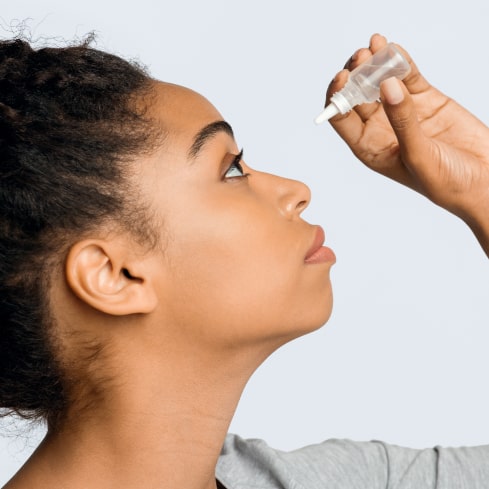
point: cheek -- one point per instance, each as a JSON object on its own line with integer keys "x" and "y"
{"x": 244, "y": 279}
{"x": 230, "y": 271}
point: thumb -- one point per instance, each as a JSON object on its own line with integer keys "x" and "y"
{"x": 399, "y": 107}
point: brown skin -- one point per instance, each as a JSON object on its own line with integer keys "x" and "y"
{"x": 423, "y": 139}
{"x": 183, "y": 325}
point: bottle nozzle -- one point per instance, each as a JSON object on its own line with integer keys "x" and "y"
{"x": 330, "y": 111}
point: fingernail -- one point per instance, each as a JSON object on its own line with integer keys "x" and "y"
{"x": 392, "y": 91}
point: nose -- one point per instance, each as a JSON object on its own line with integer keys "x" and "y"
{"x": 291, "y": 196}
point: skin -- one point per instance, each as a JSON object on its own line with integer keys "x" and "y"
{"x": 184, "y": 325}
{"x": 423, "y": 139}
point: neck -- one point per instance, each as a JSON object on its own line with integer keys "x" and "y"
{"x": 158, "y": 429}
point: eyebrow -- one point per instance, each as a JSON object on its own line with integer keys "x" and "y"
{"x": 207, "y": 133}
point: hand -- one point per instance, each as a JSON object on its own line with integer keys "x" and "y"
{"x": 423, "y": 139}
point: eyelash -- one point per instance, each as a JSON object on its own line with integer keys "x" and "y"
{"x": 236, "y": 164}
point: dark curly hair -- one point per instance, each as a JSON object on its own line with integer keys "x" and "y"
{"x": 71, "y": 122}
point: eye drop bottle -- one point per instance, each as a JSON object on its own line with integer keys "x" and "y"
{"x": 364, "y": 81}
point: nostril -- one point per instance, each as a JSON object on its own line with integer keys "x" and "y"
{"x": 302, "y": 205}
{"x": 293, "y": 196}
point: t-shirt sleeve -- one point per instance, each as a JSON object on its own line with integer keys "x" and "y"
{"x": 346, "y": 464}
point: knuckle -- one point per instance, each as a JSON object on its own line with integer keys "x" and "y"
{"x": 400, "y": 122}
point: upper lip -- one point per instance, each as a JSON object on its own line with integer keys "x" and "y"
{"x": 317, "y": 243}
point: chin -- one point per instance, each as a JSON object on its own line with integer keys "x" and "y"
{"x": 322, "y": 310}
{"x": 322, "y": 319}
{"x": 316, "y": 318}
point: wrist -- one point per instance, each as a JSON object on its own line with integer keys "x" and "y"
{"x": 480, "y": 227}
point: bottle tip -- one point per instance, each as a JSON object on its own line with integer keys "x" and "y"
{"x": 330, "y": 111}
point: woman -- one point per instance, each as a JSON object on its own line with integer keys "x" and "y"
{"x": 147, "y": 271}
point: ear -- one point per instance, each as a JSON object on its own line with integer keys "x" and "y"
{"x": 110, "y": 278}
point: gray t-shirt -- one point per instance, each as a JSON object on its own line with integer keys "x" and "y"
{"x": 344, "y": 464}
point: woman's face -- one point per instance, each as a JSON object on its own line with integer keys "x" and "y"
{"x": 236, "y": 264}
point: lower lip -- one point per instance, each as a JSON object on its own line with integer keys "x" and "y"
{"x": 322, "y": 255}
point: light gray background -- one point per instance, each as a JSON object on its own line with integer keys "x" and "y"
{"x": 404, "y": 356}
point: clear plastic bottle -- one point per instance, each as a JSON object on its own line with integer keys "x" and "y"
{"x": 364, "y": 81}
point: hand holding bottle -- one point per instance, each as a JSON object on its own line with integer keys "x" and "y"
{"x": 422, "y": 139}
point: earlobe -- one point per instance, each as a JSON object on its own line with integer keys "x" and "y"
{"x": 110, "y": 279}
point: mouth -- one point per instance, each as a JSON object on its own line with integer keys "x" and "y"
{"x": 317, "y": 252}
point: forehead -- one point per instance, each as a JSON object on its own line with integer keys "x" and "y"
{"x": 181, "y": 112}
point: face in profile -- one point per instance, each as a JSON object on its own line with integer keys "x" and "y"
{"x": 237, "y": 264}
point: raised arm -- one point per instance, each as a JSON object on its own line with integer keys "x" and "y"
{"x": 423, "y": 139}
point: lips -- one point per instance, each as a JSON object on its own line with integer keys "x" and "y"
{"x": 317, "y": 252}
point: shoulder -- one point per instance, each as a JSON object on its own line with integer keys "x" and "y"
{"x": 347, "y": 464}
{"x": 338, "y": 463}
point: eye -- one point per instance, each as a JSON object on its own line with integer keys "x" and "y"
{"x": 235, "y": 170}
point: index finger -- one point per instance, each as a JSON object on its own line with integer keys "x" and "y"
{"x": 349, "y": 126}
